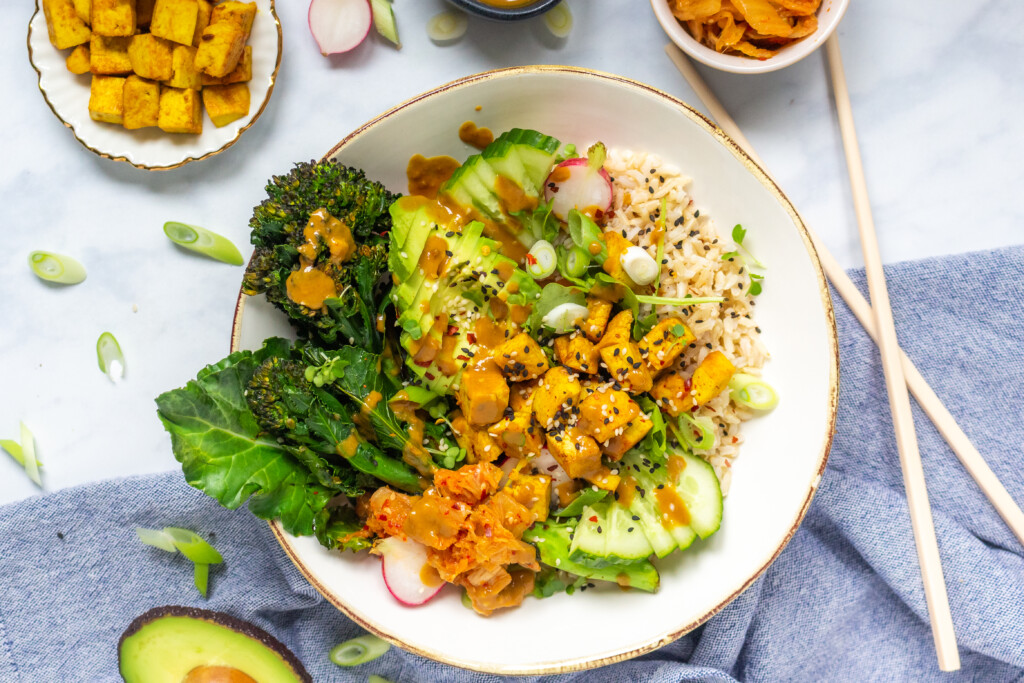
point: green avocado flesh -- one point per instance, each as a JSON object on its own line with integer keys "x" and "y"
{"x": 165, "y": 644}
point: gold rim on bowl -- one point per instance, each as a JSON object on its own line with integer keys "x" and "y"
{"x": 579, "y": 664}
{"x": 145, "y": 167}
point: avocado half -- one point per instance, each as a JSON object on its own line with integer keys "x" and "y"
{"x": 176, "y": 644}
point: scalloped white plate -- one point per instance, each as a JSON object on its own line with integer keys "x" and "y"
{"x": 785, "y": 451}
{"x": 151, "y": 148}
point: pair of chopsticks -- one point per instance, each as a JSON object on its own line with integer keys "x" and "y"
{"x": 900, "y": 373}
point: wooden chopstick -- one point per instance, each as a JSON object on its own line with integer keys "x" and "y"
{"x": 944, "y": 421}
{"x": 899, "y": 400}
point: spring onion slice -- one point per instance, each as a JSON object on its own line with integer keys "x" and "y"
{"x": 752, "y": 392}
{"x": 201, "y": 577}
{"x": 374, "y": 678}
{"x": 28, "y": 451}
{"x": 203, "y": 241}
{"x": 559, "y": 20}
{"x": 16, "y": 451}
{"x": 358, "y": 650}
{"x": 660, "y": 256}
{"x": 56, "y": 267}
{"x": 156, "y": 538}
{"x": 541, "y": 259}
{"x": 192, "y": 546}
{"x": 111, "y": 360}
{"x": 447, "y": 27}
{"x": 563, "y": 317}
{"x": 577, "y": 261}
{"x": 703, "y": 424}
{"x": 639, "y": 266}
{"x": 675, "y": 301}
{"x": 384, "y": 20}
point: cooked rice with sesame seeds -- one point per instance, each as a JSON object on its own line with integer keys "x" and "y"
{"x": 692, "y": 266}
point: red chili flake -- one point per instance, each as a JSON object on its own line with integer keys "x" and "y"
{"x": 461, "y": 357}
{"x": 688, "y": 384}
{"x": 531, "y": 259}
{"x": 593, "y": 518}
{"x": 429, "y": 376}
{"x": 423, "y": 363}
{"x": 735, "y": 439}
{"x": 452, "y": 329}
{"x": 471, "y": 337}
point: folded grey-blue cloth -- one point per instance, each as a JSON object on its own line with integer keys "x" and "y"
{"x": 843, "y": 602}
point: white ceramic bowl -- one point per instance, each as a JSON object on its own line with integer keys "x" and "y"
{"x": 829, "y": 15}
{"x": 780, "y": 464}
{"x": 151, "y": 148}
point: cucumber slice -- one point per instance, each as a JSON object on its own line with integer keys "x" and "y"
{"x": 465, "y": 185}
{"x": 698, "y": 486}
{"x": 648, "y": 519}
{"x": 502, "y": 158}
{"x": 607, "y": 535}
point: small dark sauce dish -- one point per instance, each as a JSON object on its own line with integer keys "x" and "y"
{"x": 504, "y": 14}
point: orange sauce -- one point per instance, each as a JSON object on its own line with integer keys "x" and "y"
{"x": 626, "y": 491}
{"x": 477, "y": 137}
{"x": 512, "y": 197}
{"x": 434, "y": 257}
{"x": 413, "y": 453}
{"x": 567, "y": 492}
{"x": 499, "y": 309}
{"x": 489, "y": 333}
{"x": 310, "y": 287}
{"x": 518, "y": 314}
{"x": 347, "y": 448}
{"x": 595, "y": 248}
{"x": 673, "y": 508}
{"x": 430, "y": 577}
{"x": 676, "y": 465}
{"x": 426, "y": 176}
{"x": 559, "y": 175}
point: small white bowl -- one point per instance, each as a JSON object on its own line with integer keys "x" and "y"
{"x": 829, "y": 15}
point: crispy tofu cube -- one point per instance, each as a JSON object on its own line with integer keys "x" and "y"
{"x": 577, "y": 352}
{"x": 144, "y": 12}
{"x": 664, "y": 343}
{"x": 202, "y": 21}
{"x": 711, "y": 377}
{"x": 576, "y": 452}
{"x": 519, "y": 435}
{"x": 672, "y": 393}
{"x": 63, "y": 25}
{"x": 604, "y": 479}
{"x": 633, "y": 434}
{"x": 483, "y": 393}
{"x": 521, "y": 395}
{"x": 627, "y": 367}
{"x": 106, "y": 99}
{"x": 598, "y": 312}
{"x": 520, "y": 358}
{"x": 241, "y": 13}
{"x": 619, "y": 330}
{"x": 141, "y": 103}
{"x": 183, "y": 70}
{"x": 151, "y": 57}
{"x": 532, "y": 491}
{"x": 175, "y": 20}
{"x": 113, "y": 17}
{"x": 109, "y": 55}
{"x": 78, "y": 61}
{"x": 241, "y": 74}
{"x": 180, "y": 111}
{"x": 558, "y": 393}
{"x": 226, "y": 103}
{"x": 220, "y": 48}
{"x": 83, "y": 8}
{"x": 480, "y": 446}
{"x": 605, "y": 414}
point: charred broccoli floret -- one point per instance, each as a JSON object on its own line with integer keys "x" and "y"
{"x": 356, "y": 274}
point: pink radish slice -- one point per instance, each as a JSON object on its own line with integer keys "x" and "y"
{"x": 339, "y": 25}
{"x": 406, "y": 573}
{"x": 580, "y": 184}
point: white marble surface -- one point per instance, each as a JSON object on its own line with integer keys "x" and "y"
{"x": 937, "y": 89}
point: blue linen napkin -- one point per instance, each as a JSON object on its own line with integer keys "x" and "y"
{"x": 843, "y": 602}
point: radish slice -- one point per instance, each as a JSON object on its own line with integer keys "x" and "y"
{"x": 580, "y": 184}
{"x": 406, "y": 573}
{"x": 339, "y": 25}
{"x": 447, "y": 27}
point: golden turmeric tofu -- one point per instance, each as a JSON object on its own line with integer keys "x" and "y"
{"x": 618, "y": 331}
{"x": 144, "y": 12}
{"x": 672, "y": 393}
{"x": 202, "y": 21}
{"x": 633, "y": 434}
{"x": 598, "y": 312}
{"x": 63, "y": 25}
{"x": 141, "y": 103}
{"x": 109, "y": 55}
{"x": 483, "y": 394}
{"x": 532, "y": 491}
{"x": 78, "y": 61}
{"x": 605, "y": 414}
{"x": 106, "y": 99}
{"x": 604, "y": 479}
{"x": 577, "y": 352}
{"x": 183, "y": 70}
{"x": 226, "y": 103}
{"x": 241, "y": 13}
{"x": 626, "y": 366}
{"x": 175, "y": 20}
{"x": 480, "y": 446}
{"x": 151, "y": 57}
{"x": 520, "y": 358}
{"x": 711, "y": 377}
{"x": 180, "y": 111}
{"x": 220, "y": 48}
{"x": 577, "y": 453}
{"x": 558, "y": 393}
{"x": 241, "y": 74}
{"x": 521, "y": 395}
{"x": 519, "y": 435}
{"x": 113, "y": 17}
{"x": 83, "y": 8}
{"x": 664, "y": 343}
{"x": 617, "y": 246}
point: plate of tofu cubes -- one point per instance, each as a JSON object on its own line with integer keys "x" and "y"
{"x": 156, "y": 83}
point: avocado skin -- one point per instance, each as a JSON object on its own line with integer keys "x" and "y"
{"x": 226, "y": 620}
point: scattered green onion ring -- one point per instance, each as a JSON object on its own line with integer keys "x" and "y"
{"x": 577, "y": 261}
{"x": 752, "y": 392}
{"x": 559, "y": 20}
{"x": 704, "y": 425}
{"x": 192, "y": 546}
{"x": 28, "y": 450}
{"x": 358, "y": 650}
{"x": 563, "y": 317}
{"x": 156, "y": 538}
{"x": 678, "y": 301}
{"x": 111, "y": 360}
{"x": 447, "y": 27}
{"x": 203, "y": 241}
{"x": 467, "y": 602}
{"x": 542, "y": 260}
{"x": 18, "y": 453}
{"x": 56, "y": 268}
{"x": 201, "y": 577}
